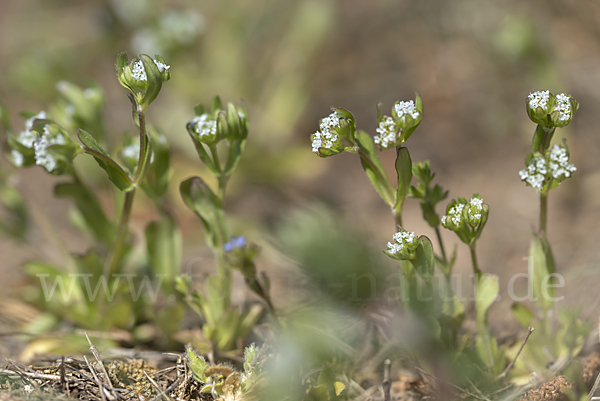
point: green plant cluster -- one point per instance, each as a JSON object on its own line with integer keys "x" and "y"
{"x": 99, "y": 282}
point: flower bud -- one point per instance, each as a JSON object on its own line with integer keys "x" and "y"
{"x": 394, "y": 131}
{"x": 328, "y": 141}
{"x": 404, "y": 245}
{"x": 143, "y": 76}
{"x": 44, "y": 143}
{"x": 563, "y": 110}
{"x": 538, "y": 106}
{"x": 550, "y": 110}
{"x": 466, "y": 218}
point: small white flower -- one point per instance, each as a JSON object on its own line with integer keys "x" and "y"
{"x": 404, "y": 236}
{"x": 330, "y": 122}
{"x": 563, "y": 105}
{"x": 475, "y": 210}
{"x": 406, "y": 108}
{"x": 555, "y": 166}
{"x": 138, "y": 71}
{"x": 41, "y": 145}
{"x": 387, "y": 133}
{"x": 324, "y": 138}
{"x": 17, "y": 158}
{"x": 476, "y": 203}
{"x": 204, "y": 125}
{"x": 539, "y": 99}
{"x": 455, "y": 214}
{"x": 394, "y": 248}
{"x": 560, "y": 166}
{"x": 28, "y": 137}
{"x": 402, "y": 239}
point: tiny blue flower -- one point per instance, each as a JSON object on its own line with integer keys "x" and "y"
{"x": 234, "y": 243}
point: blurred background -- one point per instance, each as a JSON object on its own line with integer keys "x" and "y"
{"x": 472, "y": 62}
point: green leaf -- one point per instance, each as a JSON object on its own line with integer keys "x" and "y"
{"x": 486, "y": 291}
{"x": 197, "y": 364}
{"x": 424, "y": 259}
{"x": 202, "y": 153}
{"x": 372, "y": 166}
{"x": 89, "y": 206}
{"x": 120, "y": 64}
{"x": 116, "y": 173}
{"x": 522, "y": 313}
{"x": 404, "y": 171}
{"x": 236, "y": 149}
{"x": 154, "y": 79}
{"x": 163, "y": 241}
{"x": 201, "y": 199}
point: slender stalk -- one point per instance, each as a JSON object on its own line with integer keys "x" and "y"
{"x": 543, "y": 212}
{"x": 215, "y": 155}
{"x": 474, "y": 261}
{"x": 439, "y": 237}
{"x": 112, "y": 267}
{"x": 510, "y": 365}
{"x": 397, "y": 217}
{"x": 141, "y": 165}
{"x": 223, "y": 179}
{"x": 140, "y": 170}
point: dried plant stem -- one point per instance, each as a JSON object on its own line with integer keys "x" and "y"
{"x": 594, "y": 388}
{"x": 510, "y": 365}
{"x": 387, "y": 383}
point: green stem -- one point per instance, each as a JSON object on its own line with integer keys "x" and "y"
{"x": 142, "y": 159}
{"x": 121, "y": 235}
{"x": 439, "y": 237}
{"x": 113, "y": 266}
{"x": 543, "y": 212}
{"x": 476, "y": 270}
{"x": 215, "y": 155}
{"x": 397, "y": 217}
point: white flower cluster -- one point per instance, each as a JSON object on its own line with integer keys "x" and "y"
{"x": 401, "y": 238}
{"x": 324, "y": 138}
{"x": 475, "y": 210}
{"x": 139, "y": 72}
{"x": 563, "y": 105}
{"x": 539, "y": 169}
{"x": 39, "y": 143}
{"x": 454, "y": 214}
{"x": 387, "y": 133}
{"x": 406, "y": 108}
{"x": 539, "y": 99}
{"x": 204, "y": 125}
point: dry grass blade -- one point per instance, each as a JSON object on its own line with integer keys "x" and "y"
{"x": 98, "y": 383}
{"x": 160, "y": 391}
